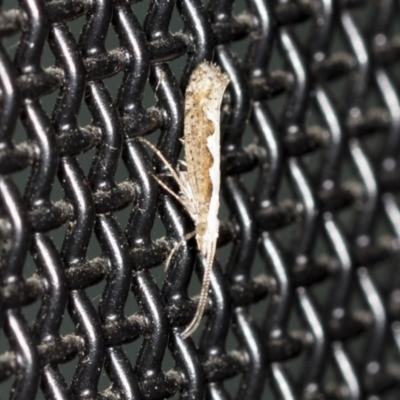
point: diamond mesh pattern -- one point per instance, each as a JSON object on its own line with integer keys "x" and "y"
{"x": 305, "y": 292}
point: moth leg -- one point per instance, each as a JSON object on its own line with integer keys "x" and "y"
{"x": 164, "y": 186}
{"x": 182, "y": 163}
{"x": 167, "y": 164}
{"x": 203, "y": 293}
{"x": 176, "y": 247}
{"x": 188, "y": 189}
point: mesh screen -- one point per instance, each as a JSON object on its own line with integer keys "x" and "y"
{"x": 305, "y": 293}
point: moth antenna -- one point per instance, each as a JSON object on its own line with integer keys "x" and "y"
{"x": 176, "y": 247}
{"x": 167, "y": 164}
{"x": 203, "y": 295}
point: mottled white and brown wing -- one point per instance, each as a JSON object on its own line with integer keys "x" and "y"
{"x": 202, "y": 121}
{"x": 203, "y": 99}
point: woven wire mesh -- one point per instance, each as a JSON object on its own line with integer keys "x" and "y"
{"x": 305, "y": 292}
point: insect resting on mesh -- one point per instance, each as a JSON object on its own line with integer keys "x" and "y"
{"x": 199, "y": 184}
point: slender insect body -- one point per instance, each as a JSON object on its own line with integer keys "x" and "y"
{"x": 202, "y": 134}
{"x": 200, "y": 183}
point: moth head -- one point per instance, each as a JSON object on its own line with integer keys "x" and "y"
{"x": 201, "y": 228}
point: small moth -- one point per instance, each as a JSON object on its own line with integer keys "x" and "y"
{"x": 199, "y": 184}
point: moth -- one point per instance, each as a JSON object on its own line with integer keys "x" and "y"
{"x": 199, "y": 184}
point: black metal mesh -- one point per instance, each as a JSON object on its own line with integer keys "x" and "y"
{"x": 305, "y": 293}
